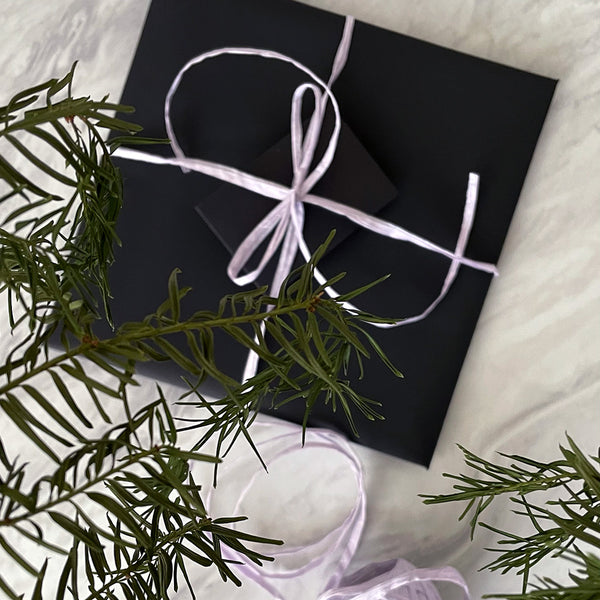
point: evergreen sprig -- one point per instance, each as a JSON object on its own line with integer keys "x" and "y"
{"x": 155, "y": 518}
{"x": 567, "y": 526}
{"x": 80, "y": 222}
{"x": 55, "y": 251}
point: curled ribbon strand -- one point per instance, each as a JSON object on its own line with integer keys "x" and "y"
{"x": 285, "y": 222}
{"x": 389, "y": 580}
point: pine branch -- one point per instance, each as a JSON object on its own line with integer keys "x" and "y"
{"x": 562, "y": 527}
{"x": 147, "y": 484}
{"x": 55, "y": 252}
{"x": 78, "y": 231}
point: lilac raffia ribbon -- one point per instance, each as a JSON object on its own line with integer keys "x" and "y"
{"x": 286, "y": 220}
{"x": 389, "y": 580}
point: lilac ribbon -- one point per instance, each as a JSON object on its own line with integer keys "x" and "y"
{"x": 389, "y": 580}
{"x": 394, "y": 580}
{"x": 284, "y": 223}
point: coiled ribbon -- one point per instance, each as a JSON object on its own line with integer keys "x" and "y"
{"x": 389, "y": 580}
{"x": 284, "y": 223}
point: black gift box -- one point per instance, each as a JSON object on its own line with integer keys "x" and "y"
{"x": 426, "y": 115}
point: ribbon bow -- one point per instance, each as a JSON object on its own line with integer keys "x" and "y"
{"x": 389, "y": 580}
{"x": 286, "y": 220}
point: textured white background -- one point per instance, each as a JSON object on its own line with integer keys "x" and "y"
{"x": 532, "y": 371}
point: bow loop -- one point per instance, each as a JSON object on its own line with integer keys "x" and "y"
{"x": 304, "y": 144}
{"x": 275, "y": 221}
{"x": 302, "y": 151}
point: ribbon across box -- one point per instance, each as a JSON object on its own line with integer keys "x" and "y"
{"x": 418, "y": 118}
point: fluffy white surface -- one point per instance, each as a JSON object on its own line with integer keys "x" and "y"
{"x": 532, "y": 370}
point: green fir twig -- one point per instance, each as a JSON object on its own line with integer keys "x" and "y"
{"x": 566, "y": 528}
{"x": 55, "y": 252}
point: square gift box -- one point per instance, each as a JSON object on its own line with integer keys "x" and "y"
{"x": 418, "y": 118}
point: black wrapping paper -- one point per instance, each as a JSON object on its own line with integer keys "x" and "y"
{"x": 426, "y": 115}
